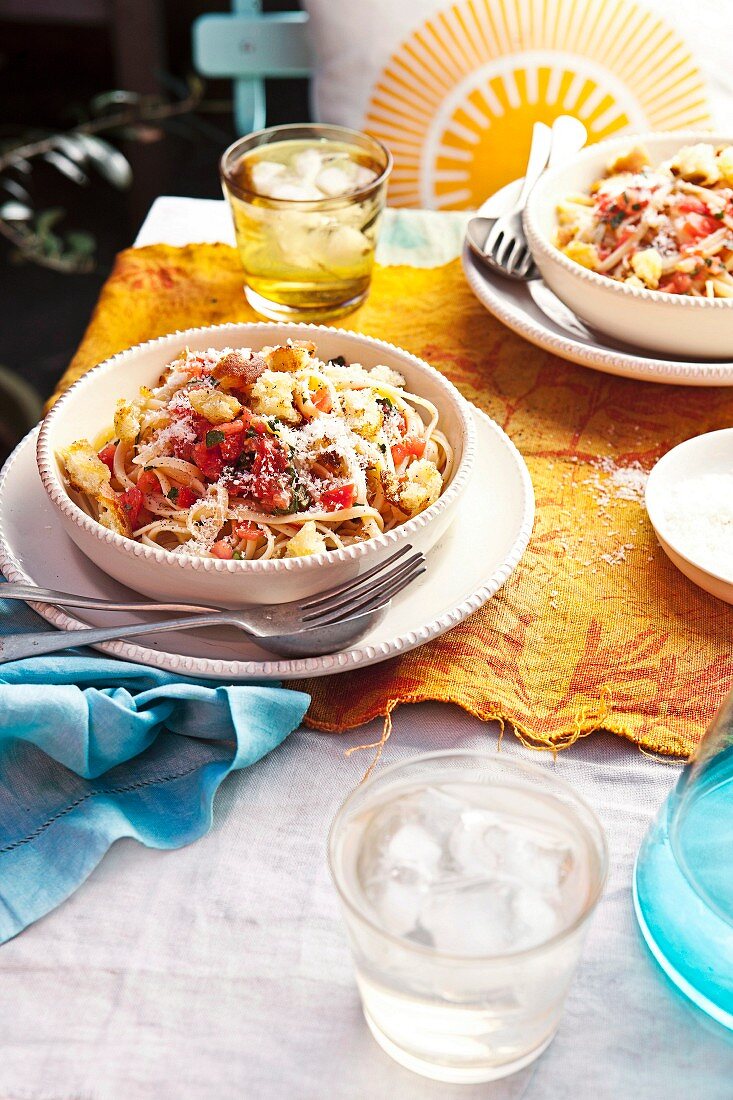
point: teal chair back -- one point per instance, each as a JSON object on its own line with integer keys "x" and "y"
{"x": 248, "y": 45}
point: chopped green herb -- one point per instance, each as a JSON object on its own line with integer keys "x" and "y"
{"x": 237, "y": 555}
{"x": 301, "y": 498}
{"x": 708, "y": 261}
{"x": 636, "y": 206}
{"x": 719, "y": 214}
{"x": 214, "y": 436}
{"x": 172, "y": 493}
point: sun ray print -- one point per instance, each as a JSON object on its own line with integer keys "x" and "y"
{"x": 457, "y": 99}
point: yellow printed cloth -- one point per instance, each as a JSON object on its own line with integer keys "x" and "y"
{"x": 596, "y": 628}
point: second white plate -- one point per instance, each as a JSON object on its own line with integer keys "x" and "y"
{"x": 534, "y": 312}
{"x": 469, "y": 564}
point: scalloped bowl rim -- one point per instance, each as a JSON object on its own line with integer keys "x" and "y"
{"x": 538, "y": 242}
{"x": 52, "y": 483}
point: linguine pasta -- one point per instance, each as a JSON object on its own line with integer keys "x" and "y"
{"x": 254, "y": 455}
{"x": 668, "y": 228}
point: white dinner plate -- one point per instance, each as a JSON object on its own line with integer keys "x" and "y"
{"x": 469, "y": 564}
{"x": 534, "y": 312}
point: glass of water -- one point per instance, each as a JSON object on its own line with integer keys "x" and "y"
{"x": 467, "y": 882}
{"x": 306, "y": 202}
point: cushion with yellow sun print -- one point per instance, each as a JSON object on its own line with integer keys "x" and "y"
{"x": 453, "y": 88}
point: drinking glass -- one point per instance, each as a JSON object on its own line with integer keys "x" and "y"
{"x": 467, "y": 882}
{"x": 306, "y": 259}
{"x": 683, "y": 881}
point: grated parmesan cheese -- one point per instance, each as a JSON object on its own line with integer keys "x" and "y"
{"x": 698, "y": 521}
{"x": 619, "y": 482}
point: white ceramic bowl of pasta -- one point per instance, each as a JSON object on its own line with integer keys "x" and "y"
{"x": 673, "y": 324}
{"x": 88, "y": 407}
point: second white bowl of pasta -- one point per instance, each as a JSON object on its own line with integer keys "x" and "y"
{"x": 635, "y": 235}
{"x": 250, "y": 464}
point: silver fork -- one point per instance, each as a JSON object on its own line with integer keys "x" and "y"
{"x": 31, "y": 593}
{"x": 506, "y": 244}
{"x": 323, "y": 623}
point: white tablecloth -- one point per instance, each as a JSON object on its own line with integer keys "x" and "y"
{"x": 221, "y": 971}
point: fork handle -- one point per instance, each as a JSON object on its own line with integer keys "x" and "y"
{"x": 14, "y": 591}
{"x": 539, "y": 154}
{"x": 14, "y": 647}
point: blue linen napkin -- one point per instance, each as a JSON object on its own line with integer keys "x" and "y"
{"x": 93, "y": 749}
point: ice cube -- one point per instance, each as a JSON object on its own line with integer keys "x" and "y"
{"x": 470, "y": 920}
{"x": 364, "y": 176}
{"x": 413, "y": 846}
{"x": 476, "y": 844}
{"x": 286, "y": 190}
{"x": 536, "y": 857}
{"x": 333, "y": 181}
{"x": 535, "y": 919}
{"x": 294, "y": 234}
{"x": 307, "y": 164}
{"x": 264, "y": 173}
{"x": 343, "y": 246}
{"x": 395, "y": 846}
{"x": 397, "y": 905}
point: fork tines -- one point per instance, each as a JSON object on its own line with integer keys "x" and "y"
{"x": 367, "y": 592}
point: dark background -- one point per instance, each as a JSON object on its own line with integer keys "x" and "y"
{"x": 54, "y": 57}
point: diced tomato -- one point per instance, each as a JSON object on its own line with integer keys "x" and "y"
{"x": 341, "y": 497}
{"x": 186, "y": 497}
{"x": 233, "y": 444}
{"x": 679, "y": 283}
{"x": 625, "y": 235}
{"x": 234, "y": 427}
{"x": 132, "y": 502}
{"x": 107, "y": 455}
{"x": 222, "y": 549}
{"x": 322, "y": 400}
{"x": 696, "y": 226}
{"x": 208, "y": 460}
{"x": 248, "y": 531}
{"x": 201, "y": 426}
{"x": 691, "y": 205}
{"x": 268, "y": 477}
{"x": 408, "y": 446}
{"x": 614, "y": 207}
{"x": 182, "y": 448}
{"x": 148, "y": 482}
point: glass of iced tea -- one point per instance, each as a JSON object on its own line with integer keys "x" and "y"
{"x": 306, "y": 201}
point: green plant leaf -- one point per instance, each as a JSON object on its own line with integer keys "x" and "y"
{"x": 80, "y": 243}
{"x": 47, "y": 219}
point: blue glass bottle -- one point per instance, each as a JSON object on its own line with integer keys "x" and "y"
{"x": 683, "y": 880}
